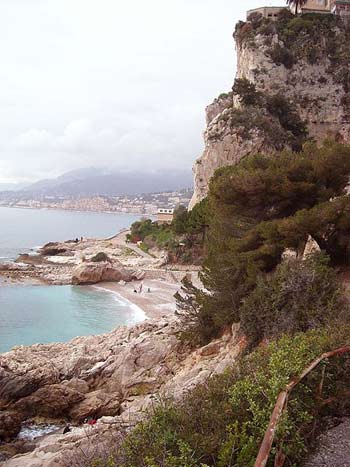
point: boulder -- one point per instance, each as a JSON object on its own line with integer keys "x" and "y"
{"x": 54, "y": 400}
{"x": 53, "y": 249}
{"x": 96, "y": 404}
{"x": 13, "y": 387}
{"x": 311, "y": 248}
{"x": 92, "y": 273}
{"x": 78, "y": 384}
{"x": 10, "y": 425}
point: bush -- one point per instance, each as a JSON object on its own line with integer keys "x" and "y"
{"x": 278, "y": 106}
{"x": 246, "y": 92}
{"x": 222, "y": 422}
{"x": 298, "y": 296}
{"x": 282, "y": 56}
{"x": 101, "y": 257}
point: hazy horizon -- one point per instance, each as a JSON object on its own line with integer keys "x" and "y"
{"x": 108, "y": 84}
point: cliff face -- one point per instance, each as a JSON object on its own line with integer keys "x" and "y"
{"x": 304, "y": 60}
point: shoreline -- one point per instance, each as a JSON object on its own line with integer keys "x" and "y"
{"x": 127, "y": 213}
{"x": 133, "y": 306}
{"x": 155, "y": 304}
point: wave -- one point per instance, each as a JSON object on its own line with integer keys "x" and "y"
{"x": 138, "y": 312}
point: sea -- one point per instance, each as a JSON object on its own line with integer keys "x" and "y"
{"x": 31, "y": 314}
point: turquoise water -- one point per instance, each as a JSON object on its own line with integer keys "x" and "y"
{"x": 23, "y": 229}
{"x": 44, "y": 314}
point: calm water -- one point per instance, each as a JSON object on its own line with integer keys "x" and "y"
{"x": 23, "y": 229}
{"x": 43, "y": 314}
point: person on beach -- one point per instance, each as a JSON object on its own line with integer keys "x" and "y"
{"x": 141, "y": 285}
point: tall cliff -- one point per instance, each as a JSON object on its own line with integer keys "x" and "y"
{"x": 298, "y": 67}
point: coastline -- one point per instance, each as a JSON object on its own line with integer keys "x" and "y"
{"x": 94, "y": 211}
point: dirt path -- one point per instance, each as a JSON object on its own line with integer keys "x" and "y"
{"x": 120, "y": 240}
{"x": 334, "y": 448}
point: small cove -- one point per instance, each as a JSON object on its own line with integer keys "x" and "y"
{"x": 31, "y": 314}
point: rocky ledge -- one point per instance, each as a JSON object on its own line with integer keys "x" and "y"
{"x": 112, "y": 377}
{"x": 87, "y": 261}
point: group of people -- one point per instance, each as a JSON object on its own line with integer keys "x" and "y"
{"x": 141, "y": 288}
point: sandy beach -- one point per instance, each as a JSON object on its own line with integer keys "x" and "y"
{"x": 157, "y": 302}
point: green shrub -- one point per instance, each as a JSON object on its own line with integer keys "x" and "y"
{"x": 298, "y": 296}
{"x": 100, "y": 257}
{"x": 282, "y": 56}
{"x": 246, "y": 92}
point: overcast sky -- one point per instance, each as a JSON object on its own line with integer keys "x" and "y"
{"x": 110, "y": 83}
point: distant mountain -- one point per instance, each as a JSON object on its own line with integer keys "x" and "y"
{"x": 12, "y": 186}
{"x": 68, "y": 177}
{"x": 93, "y": 181}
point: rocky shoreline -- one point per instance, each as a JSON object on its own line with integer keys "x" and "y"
{"x": 85, "y": 261}
{"x": 112, "y": 377}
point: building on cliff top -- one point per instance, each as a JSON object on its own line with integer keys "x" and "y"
{"x": 341, "y": 8}
{"x": 317, "y": 6}
{"x": 336, "y": 7}
{"x": 270, "y": 12}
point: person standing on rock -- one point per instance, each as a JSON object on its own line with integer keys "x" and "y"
{"x": 66, "y": 429}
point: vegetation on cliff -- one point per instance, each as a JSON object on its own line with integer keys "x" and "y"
{"x": 259, "y": 208}
{"x": 221, "y": 423}
{"x": 309, "y": 37}
{"x": 274, "y": 115}
{"x": 182, "y": 238}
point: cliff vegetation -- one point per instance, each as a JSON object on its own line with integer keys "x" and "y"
{"x": 291, "y": 308}
{"x": 182, "y": 239}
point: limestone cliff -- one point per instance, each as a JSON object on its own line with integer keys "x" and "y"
{"x": 306, "y": 60}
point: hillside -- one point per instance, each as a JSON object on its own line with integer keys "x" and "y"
{"x": 92, "y": 182}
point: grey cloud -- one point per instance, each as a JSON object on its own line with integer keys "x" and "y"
{"x": 108, "y": 82}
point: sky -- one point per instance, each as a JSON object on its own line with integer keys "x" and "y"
{"x": 121, "y": 84}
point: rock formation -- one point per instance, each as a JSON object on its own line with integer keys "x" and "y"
{"x": 92, "y": 273}
{"x": 309, "y": 69}
{"x": 115, "y": 374}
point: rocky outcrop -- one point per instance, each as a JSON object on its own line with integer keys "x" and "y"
{"x": 92, "y": 273}
{"x": 114, "y": 376}
{"x": 316, "y": 88}
{"x": 87, "y": 261}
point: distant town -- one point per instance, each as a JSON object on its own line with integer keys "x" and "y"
{"x": 145, "y": 204}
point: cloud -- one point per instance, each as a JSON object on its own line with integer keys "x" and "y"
{"x": 110, "y": 83}
{"x": 34, "y": 139}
